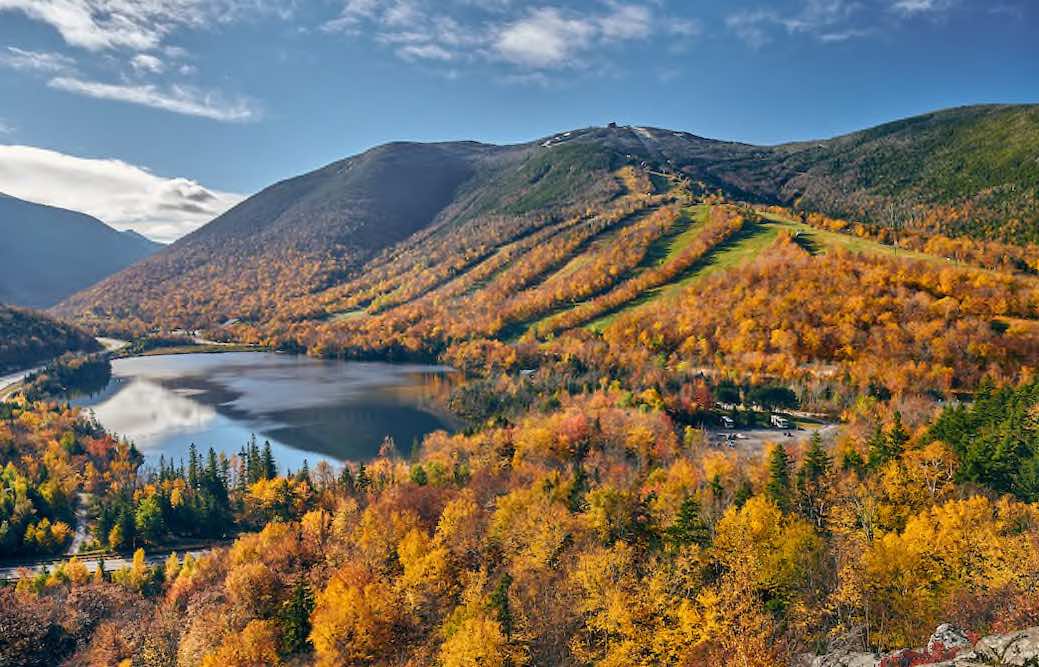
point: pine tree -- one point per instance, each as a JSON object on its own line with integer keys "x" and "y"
{"x": 500, "y": 603}
{"x": 363, "y": 480}
{"x": 193, "y": 466}
{"x": 811, "y": 482}
{"x": 269, "y": 469}
{"x": 897, "y": 437}
{"x": 295, "y": 617}
{"x": 576, "y": 500}
{"x": 689, "y": 526}
{"x": 346, "y": 479}
{"x": 778, "y": 487}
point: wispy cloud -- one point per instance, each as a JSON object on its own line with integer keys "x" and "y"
{"x": 147, "y": 63}
{"x": 922, "y": 6}
{"x": 185, "y": 100}
{"x": 121, "y": 194}
{"x": 36, "y": 61}
{"x": 825, "y": 20}
{"x": 5, "y": 127}
{"x": 139, "y": 25}
{"x": 525, "y": 38}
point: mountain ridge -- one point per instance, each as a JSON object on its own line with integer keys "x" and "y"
{"x": 316, "y": 230}
{"x": 50, "y": 252}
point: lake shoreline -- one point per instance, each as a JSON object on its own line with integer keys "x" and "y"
{"x": 314, "y": 409}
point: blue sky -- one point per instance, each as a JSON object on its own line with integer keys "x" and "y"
{"x": 158, "y": 114}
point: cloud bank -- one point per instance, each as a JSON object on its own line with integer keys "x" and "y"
{"x": 123, "y": 195}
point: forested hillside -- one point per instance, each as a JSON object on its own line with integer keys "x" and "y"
{"x": 28, "y": 338}
{"x": 48, "y": 253}
{"x": 707, "y": 419}
{"x": 963, "y": 172}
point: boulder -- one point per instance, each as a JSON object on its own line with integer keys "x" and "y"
{"x": 1016, "y": 649}
{"x": 949, "y": 647}
{"x": 947, "y": 638}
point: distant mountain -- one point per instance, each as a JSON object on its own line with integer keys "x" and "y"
{"x": 969, "y": 171}
{"x": 29, "y": 338}
{"x": 48, "y": 253}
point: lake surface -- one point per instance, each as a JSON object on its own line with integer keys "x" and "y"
{"x": 307, "y": 408}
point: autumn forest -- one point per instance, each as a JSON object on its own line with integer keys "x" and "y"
{"x": 621, "y": 306}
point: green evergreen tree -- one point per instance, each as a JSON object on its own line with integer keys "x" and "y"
{"x": 268, "y": 468}
{"x": 500, "y": 604}
{"x": 364, "y": 482}
{"x": 295, "y": 618}
{"x": 346, "y": 479}
{"x": 812, "y": 480}
{"x": 778, "y": 487}
{"x": 689, "y": 526}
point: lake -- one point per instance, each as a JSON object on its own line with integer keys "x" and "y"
{"x": 307, "y": 408}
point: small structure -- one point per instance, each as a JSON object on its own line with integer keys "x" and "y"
{"x": 728, "y": 422}
{"x": 780, "y": 422}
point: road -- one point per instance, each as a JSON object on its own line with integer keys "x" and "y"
{"x": 112, "y": 562}
{"x": 9, "y": 381}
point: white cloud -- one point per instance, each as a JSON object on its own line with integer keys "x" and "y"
{"x": 627, "y": 22}
{"x": 922, "y": 6}
{"x": 36, "y": 61}
{"x": 185, "y": 100}
{"x": 120, "y": 194}
{"x": 5, "y": 127}
{"x": 424, "y": 52}
{"x": 544, "y": 39}
{"x": 826, "y": 20}
{"x": 147, "y": 63}
{"x": 139, "y": 25}
{"x": 503, "y": 31}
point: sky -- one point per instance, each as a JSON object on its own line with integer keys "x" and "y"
{"x": 157, "y": 115}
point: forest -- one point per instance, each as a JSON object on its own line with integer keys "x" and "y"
{"x": 605, "y": 316}
{"x": 590, "y": 532}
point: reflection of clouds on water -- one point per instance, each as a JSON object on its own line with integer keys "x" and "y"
{"x": 143, "y": 409}
{"x": 307, "y": 408}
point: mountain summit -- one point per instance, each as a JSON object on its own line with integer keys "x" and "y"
{"x": 966, "y": 171}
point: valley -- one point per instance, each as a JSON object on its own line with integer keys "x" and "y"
{"x": 617, "y": 396}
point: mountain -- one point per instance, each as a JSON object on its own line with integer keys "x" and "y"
{"x": 28, "y": 338}
{"x": 969, "y": 171}
{"x": 49, "y": 253}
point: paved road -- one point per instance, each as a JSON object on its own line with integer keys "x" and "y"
{"x": 752, "y": 442}
{"x": 112, "y": 563}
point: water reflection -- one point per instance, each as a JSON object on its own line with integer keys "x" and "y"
{"x": 307, "y": 408}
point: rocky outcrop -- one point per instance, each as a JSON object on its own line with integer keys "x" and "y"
{"x": 948, "y": 647}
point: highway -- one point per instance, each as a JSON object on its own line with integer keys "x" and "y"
{"x": 15, "y": 571}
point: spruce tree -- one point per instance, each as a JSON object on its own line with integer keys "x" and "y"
{"x": 689, "y": 526}
{"x": 269, "y": 469}
{"x": 778, "y": 487}
{"x": 500, "y": 603}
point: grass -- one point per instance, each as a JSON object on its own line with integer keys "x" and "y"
{"x": 738, "y": 249}
{"x": 350, "y": 315}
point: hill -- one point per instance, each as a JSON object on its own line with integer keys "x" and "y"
{"x": 49, "y": 253}
{"x": 403, "y": 221}
{"x": 28, "y": 338}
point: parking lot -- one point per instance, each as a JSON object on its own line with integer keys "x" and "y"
{"x": 752, "y": 442}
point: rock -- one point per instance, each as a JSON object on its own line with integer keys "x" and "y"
{"x": 946, "y": 639}
{"x": 948, "y": 647}
{"x": 1017, "y": 649}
